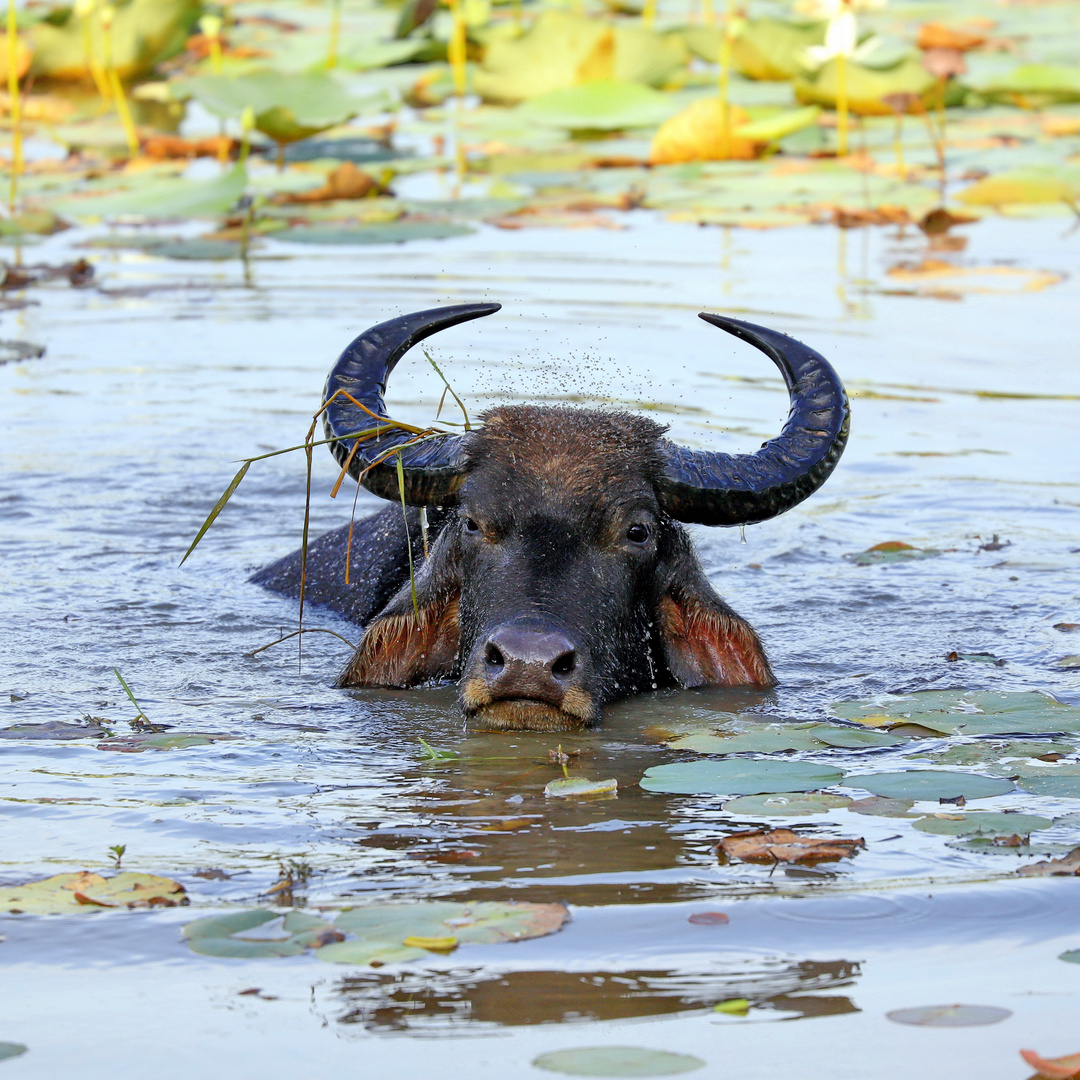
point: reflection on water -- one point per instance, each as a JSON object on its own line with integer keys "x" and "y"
{"x": 440, "y": 1002}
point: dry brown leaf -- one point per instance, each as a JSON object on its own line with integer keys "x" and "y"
{"x": 938, "y": 36}
{"x": 344, "y": 182}
{"x": 1061, "y": 126}
{"x": 695, "y": 135}
{"x": 784, "y": 845}
{"x": 944, "y": 63}
{"x": 175, "y": 147}
{"x": 1066, "y": 866}
{"x": 1062, "y": 1068}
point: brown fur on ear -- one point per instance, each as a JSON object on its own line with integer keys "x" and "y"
{"x": 709, "y": 645}
{"x": 402, "y": 650}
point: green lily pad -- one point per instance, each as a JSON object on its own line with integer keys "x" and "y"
{"x": 764, "y": 739}
{"x": 738, "y": 776}
{"x": 286, "y": 107}
{"x": 876, "y": 806}
{"x": 867, "y": 87}
{"x": 599, "y": 106}
{"x": 950, "y": 1015}
{"x": 786, "y": 804}
{"x": 367, "y": 952}
{"x": 394, "y": 232}
{"x": 960, "y": 712}
{"x": 218, "y": 934}
{"x": 171, "y": 740}
{"x": 66, "y": 894}
{"x": 989, "y": 845}
{"x": 853, "y": 738}
{"x": 778, "y": 126}
{"x": 931, "y": 784}
{"x": 1024, "y": 186}
{"x": 483, "y": 923}
{"x": 1071, "y": 957}
{"x": 1035, "y": 85}
{"x": 10, "y": 1050}
{"x": 891, "y": 551}
{"x": 571, "y": 786}
{"x": 617, "y": 1061}
{"x": 986, "y": 752}
{"x": 984, "y": 823}
{"x": 52, "y": 729}
{"x": 766, "y": 49}
{"x": 1060, "y": 780}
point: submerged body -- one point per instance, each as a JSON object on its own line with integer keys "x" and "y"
{"x": 559, "y": 576}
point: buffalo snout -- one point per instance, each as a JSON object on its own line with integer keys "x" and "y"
{"x": 527, "y": 674}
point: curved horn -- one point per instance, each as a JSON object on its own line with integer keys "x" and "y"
{"x": 433, "y": 469}
{"x": 743, "y": 489}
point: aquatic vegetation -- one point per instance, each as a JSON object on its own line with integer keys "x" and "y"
{"x": 65, "y": 894}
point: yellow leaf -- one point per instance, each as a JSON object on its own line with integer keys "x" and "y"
{"x": 695, "y": 135}
{"x": 432, "y": 944}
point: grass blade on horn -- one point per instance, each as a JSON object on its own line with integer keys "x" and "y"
{"x": 408, "y": 538}
{"x": 446, "y": 383}
{"x": 218, "y": 507}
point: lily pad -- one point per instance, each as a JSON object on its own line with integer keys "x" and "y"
{"x": 217, "y": 936}
{"x": 786, "y": 804}
{"x": 853, "y": 738}
{"x": 778, "y": 126}
{"x": 1060, "y": 780}
{"x": 172, "y": 740}
{"x": 599, "y": 106}
{"x": 1071, "y": 957}
{"x": 10, "y": 1050}
{"x": 65, "y": 894}
{"x": 1035, "y": 85}
{"x": 766, "y": 739}
{"x": 394, "y": 232}
{"x": 738, "y": 776}
{"x": 52, "y": 729}
{"x": 1023, "y": 186}
{"x": 867, "y": 87}
{"x": 931, "y": 784}
{"x": 891, "y": 551}
{"x": 368, "y": 952}
{"x": 982, "y": 822}
{"x": 960, "y": 712}
{"x": 617, "y": 1061}
{"x": 876, "y": 806}
{"x": 950, "y": 1015}
{"x": 571, "y": 786}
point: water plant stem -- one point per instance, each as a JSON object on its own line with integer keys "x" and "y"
{"x": 84, "y": 12}
{"x": 648, "y": 14}
{"x": 335, "y": 35}
{"x": 841, "y": 106}
{"x": 108, "y": 13}
{"x": 724, "y": 80}
{"x": 457, "y": 49}
{"x": 898, "y": 147}
{"x": 16, "y": 104}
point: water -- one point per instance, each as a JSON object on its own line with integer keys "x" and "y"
{"x": 115, "y": 446}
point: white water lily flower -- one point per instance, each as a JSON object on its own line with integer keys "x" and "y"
{"x": 829, "y": 9}
{"x": 841, "y": 36}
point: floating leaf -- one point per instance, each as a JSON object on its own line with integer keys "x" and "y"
{"x": 696, "y": 134}
{"x": 931, "y": 784}
{"x": 950, "y": 1015}
{"x": 569, "y": 787}
{"x": 367, "y": 952}
{"x": 867, "y": 87}
{"x": 766, "y": 49}
{"x": 1068, "y": 866}
{"x": 890, "y": 552}
{"x": 52, "y": 729}
{"x": 959, "y": 712}
{"x": 599, "y": 106}
{"x": 173, "y": 740}
{"x": 853, "y": 738}
{"x": 431, "y": 944}
{"x": 783, "y": 845}
{"x": 1071, "y": 957}
{"x": 1023, "y": 186}
{"x": 709, "y": 918}
{"x": 617, "y": 1061}
{"x": 876, "y": 806}
{"x": 64, "y": 894}
{"x": 1060, "y": 780}
{"x": 733, "y": 1007}
{"x": 764, "y": 739}
{"x": 982, "y": 822}
{"x": 394, "y": 232}
{"x": 788, "y": 804}
{"x": 10, "y": 1050}
{"x": 1059, "y": 1068}
{"x": 778, "y": 126}
{"x": 1035, "y": 85}
{"x": 738, "y": 776}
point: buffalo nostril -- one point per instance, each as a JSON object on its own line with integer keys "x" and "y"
{"x": 564, "y": 664}
{"x": 493, "y": 656}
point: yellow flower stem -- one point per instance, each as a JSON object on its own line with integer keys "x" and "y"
{"x": 457, "y": 50}
{"x": 898, "y": 146}
{"x": 724, "y": 81}
{"x": 16, "y": 103}
{"x": 92, "y": 65}
{"x": 648, "y": 14}
{"x": 708, "y": 12}
{"x": 841, "y": 106}
{"x": 335, "y": 35}
{"x": 215, "y": 55}
{"x": 117, "y": 87}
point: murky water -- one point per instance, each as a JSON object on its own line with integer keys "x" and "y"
{"x": 118, "y": 441}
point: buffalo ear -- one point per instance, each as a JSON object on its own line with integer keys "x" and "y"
{"x": 407, "y": 644}
{"x": 703, "y": 641}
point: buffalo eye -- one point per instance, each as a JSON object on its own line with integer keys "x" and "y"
{"x": 470, "y": 525}
{"x": 638, "y": 534}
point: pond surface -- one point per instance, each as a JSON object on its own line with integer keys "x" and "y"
{"x": 158, "y": 379}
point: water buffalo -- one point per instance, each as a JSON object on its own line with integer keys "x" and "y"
{"x": 558, "y": 576}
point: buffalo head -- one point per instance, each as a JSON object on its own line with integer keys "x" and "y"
{"x": 559, "y": 576}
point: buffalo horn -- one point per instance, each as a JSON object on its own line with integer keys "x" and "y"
{"x": 741, "y": 489}
{"x": 433, "y": 469}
